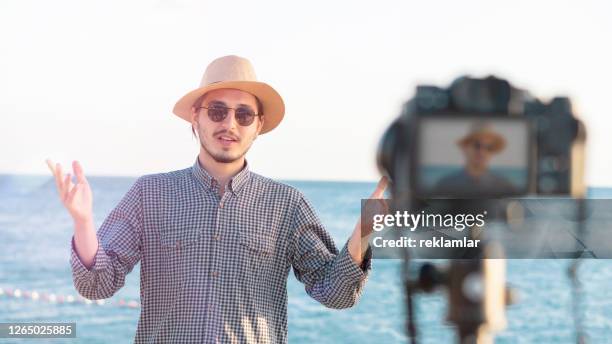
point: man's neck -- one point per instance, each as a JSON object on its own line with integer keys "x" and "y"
{"x": 475, "y": 172}
{"x": 220, "y": 171}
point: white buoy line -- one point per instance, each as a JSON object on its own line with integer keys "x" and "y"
{"x": 54, "y": 298}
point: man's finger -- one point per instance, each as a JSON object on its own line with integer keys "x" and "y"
{"x": 66, "y": 186}
{"x": 380, "y": 188}
{"x": 59, "y": 178}
{"x": 78, "y": 172}
{"x": 54, "y": 172}
{"x": 72, "y": 193}
{"x": 50, "y": 165}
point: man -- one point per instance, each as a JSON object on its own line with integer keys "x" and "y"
{"x": 215, "y": 241}
{"x": 476, "y": 178}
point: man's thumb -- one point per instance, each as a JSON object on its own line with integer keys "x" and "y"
{"x": 380, "y": 188}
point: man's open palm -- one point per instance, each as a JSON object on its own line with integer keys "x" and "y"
{"x": 77, "y": 198}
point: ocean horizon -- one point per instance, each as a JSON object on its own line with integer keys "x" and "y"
{"x": 35, "y": 232}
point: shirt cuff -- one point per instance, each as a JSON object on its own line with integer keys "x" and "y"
{"x": 101, "y": 262}
{"x": 351, "y": 270}
{"x": 366, "y": 263}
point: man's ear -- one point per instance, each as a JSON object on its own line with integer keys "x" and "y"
{"x": 260, "y": 125}
{"x": 194, "y": 121}
{"x": 194, "y": 116}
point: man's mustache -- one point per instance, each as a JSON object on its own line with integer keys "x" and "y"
{"x": 227, "y": 133}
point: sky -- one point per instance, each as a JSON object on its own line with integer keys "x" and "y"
{"x": 96, "y": 81}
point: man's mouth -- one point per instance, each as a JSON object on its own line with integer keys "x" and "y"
{"x": 227, "y": 139}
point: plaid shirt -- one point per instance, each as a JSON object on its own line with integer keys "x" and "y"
{"x": 214, "y": 268}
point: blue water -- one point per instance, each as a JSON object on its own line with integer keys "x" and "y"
{"x": 34, "y": 243}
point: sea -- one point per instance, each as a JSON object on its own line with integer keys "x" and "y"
{"x": 35, "y": 234}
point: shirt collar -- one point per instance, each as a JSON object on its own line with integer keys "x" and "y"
{"x": 235, "y": 184}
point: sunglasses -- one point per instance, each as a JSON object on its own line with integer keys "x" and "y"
{"x": 243, "y": 114}
{"x": 479, "y": 145}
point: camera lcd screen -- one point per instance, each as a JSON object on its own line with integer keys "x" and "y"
{"x": 477, "y": 156}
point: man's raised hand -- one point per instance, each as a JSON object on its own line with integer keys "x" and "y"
{"x": 376, "y": 204}
{"x": 76, "y": 197}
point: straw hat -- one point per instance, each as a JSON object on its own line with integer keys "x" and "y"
{"x": 484, "y": 129}
{"x": 238, "y": 73}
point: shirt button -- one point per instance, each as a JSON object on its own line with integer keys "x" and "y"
{"x": 215, "y": 273}
{"x": 217, "y": 237}
{"x": 220, "y": 204}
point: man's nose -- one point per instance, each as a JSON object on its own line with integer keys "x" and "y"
{"x": 229, "y": 122}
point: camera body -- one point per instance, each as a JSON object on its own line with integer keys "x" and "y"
{"x": 483, "y": 138}
{"x": 475, "y": 145}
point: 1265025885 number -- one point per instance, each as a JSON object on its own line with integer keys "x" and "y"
{"x": 38, "y": 330}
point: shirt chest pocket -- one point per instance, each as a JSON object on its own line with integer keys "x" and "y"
{"x": 257, "y": 242}
{"x": 180, "y": 227}
{"x": 259, "y": 248}
{"x": 179, "y": 247}
{"x": 178, "y": 237}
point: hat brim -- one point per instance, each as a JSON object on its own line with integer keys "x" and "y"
{"x": 271, "y": 101}
{"x": 499, "y": 143}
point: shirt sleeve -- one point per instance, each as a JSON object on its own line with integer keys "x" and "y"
{"x": 119, "y": 249}
{"x": 330, "y": 276}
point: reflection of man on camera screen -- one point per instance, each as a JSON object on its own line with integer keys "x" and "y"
{"x": 478, "y": 147}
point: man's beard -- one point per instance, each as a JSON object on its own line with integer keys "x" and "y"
{"x": 222, "y": 158}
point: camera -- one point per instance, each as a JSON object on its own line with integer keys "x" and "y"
{"x": 474, "y": 148}
{"x": 483, "y": 138}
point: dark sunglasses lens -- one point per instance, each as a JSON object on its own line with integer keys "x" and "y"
{"x": 217, "y": 114}
{"x": 479, "y": 146}
{"x": 244, "y": 116}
